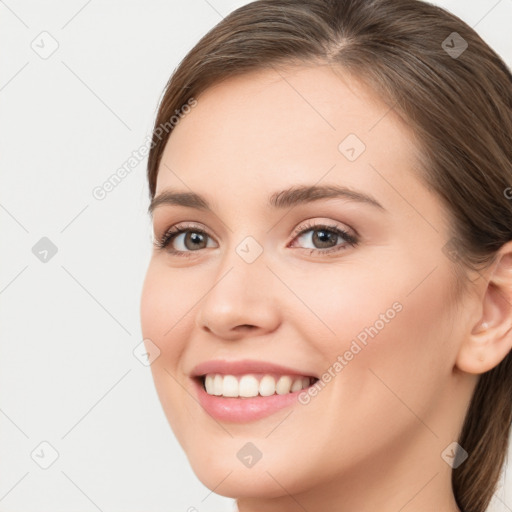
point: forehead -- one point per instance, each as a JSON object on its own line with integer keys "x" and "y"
{"x": 272, "y": 128}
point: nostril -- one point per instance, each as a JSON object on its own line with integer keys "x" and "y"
{"x": 246, "y": 326}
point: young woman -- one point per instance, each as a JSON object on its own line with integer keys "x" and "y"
{"x": 330, "y": 292}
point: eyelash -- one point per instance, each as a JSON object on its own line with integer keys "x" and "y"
{"x": 174, "y": 231}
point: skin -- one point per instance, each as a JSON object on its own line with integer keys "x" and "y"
{"x": 373, "y": 436}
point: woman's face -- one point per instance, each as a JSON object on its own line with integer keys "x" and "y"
{"x": 368, "y": 313}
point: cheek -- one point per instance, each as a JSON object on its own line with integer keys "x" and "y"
{"x": 406, "y": 355}
{"x": 340, "y": 303}
{"x": 396, "y": 362}
{"x": 164, "y": 320}
{"x": 163, "y": 305}
{"x": 381, "y": 332}
{"x": 163, "y": 309}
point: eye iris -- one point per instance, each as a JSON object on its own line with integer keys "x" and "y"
{"x": 193, "y": 237}
{"x": 324, "y": 237}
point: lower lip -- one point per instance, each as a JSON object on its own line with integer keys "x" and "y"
{"x": 242, "y": 410}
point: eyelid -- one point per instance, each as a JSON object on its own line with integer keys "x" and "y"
{"x": 350, "y": 236}
{"x": 179, "y": 227}
{"x": 330, "y": 224}
{"x": 305, "y": 225}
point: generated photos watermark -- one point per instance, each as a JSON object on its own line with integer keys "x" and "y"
{"x": 100, "y": 192}
{"x": 367, "y": 334}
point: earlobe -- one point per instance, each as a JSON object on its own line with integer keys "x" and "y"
{"x": 490, "y": 339}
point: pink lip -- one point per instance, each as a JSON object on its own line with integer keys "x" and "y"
{"x": 242, "y": 410}
{"x": 245, "y": 366}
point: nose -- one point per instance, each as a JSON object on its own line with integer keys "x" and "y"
{"x": 240, "y": 300}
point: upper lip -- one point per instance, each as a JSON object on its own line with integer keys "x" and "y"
{"x": 244, "y": 366}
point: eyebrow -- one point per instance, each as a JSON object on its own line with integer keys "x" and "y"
{"x": 278, "y": 200}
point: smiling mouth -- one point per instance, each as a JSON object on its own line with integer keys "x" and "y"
{"x": 253, "y": 384}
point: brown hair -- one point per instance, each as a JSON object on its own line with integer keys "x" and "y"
{"x": 459, "y": 108}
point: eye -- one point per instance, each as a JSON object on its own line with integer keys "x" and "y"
{"x": 193, "y": 240}
{"x": 324, "y": 238}
{"x": 182, "y": 240}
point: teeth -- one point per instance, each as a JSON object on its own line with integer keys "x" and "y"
{"x": 297, "y": 385}
{"x": 230, "y": 386}
{"x": 247, "y": 386}
{"x": 267, "y": 386}
{"x": 284, "y": 384}
{"x": 217, "y": 385}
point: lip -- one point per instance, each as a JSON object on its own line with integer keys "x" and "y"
{"x": 244, "y": 366}
{"x": 243, "y": 410}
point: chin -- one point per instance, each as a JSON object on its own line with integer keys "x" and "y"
{"x": 221, "y": 470}
{"x": 235, "y": 481}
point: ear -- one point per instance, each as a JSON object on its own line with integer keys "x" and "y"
{"x": 490, "y": 339}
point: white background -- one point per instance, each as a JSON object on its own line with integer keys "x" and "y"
{"x": 67, "y": 372}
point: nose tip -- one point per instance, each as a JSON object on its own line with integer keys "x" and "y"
{"x": 240, "y": 295}
{"x": 227, "y": 322}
